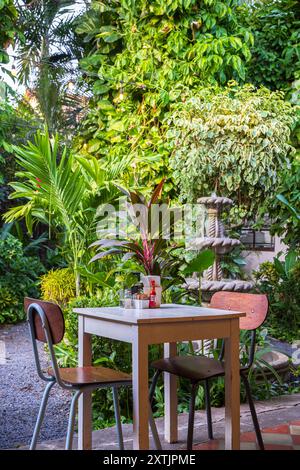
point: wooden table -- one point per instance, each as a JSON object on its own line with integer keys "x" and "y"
{"x": 169, "y": 324}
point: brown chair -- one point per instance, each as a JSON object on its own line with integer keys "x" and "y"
{"x": 201, "y": 369}
{"x": 46, "y": 324}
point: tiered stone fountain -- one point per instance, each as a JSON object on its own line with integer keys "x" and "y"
{"x": 215, "y": 238}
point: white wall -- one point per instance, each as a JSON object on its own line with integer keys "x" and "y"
{"x": 255, "y": 258}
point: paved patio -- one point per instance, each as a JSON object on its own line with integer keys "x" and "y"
{"x": 279, "y": 419}
{"x": 282, "y": 437}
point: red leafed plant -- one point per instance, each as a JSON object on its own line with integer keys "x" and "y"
{"x": 151, "y": 249}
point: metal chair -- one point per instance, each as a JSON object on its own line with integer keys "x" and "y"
{"x": 46, "y": 323}
{"x": 201, "y": 369}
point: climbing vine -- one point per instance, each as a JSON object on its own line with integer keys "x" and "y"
{"x": 143, "y": 53}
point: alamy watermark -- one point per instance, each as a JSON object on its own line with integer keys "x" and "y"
{"x": 157, "y": 221}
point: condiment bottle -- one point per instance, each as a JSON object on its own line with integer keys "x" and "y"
{"x": 152, "y": 301}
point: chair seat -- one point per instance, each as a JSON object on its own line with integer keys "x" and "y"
{"x": 92, "y": 375}
{"x": 195, "y": 368}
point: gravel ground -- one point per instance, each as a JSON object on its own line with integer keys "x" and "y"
{"x": 21, "y": 392}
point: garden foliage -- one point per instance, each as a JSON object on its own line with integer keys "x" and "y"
{"x": 275, "y": 60}
{"x": 47, "y": 52}
{"x": 8, "y": 18}
{"x": 280, "y": 280}
{"x": 234, "y": 141}
{"x": 18, "y": 278}
{"x": 16, "y": 126}
{"x": 148, "y": 246}
{"x": 58, "y": 286}
{"x": 62, "y": 191}
{"x": 143, "y": 53}
{"x": 163, "y": 87}
{"x": 284, "y": 210}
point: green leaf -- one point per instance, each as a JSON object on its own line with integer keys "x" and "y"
{"x": 94, "y": 145}
{"x": 109, "y": 37}
{"x": 202, "y": 262}
{"x": 116, "y": 126}
{"x": 279, "y": 266}
{"x": 100, "y": 89}
{"x": 105, "y": 105}
{"x": 283, "y": 199}
{"x": 290, "y": 261}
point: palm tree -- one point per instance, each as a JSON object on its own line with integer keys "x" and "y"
{"x": 47, "y": 58}
{"x": 63, "y": 191}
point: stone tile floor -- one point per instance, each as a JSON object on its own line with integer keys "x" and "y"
{"x": 279, "y": 420}
{"x": 281, "y": 437}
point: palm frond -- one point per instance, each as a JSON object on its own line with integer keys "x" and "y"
{"x": 53, "y": 185}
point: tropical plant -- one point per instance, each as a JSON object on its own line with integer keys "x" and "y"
{"x": 278, "y": 281}
{"x": 16, "y": 125}
{"x": 142, "y": 54}
{"x": 150, "y": 246}
{"x": 267, "y": 272}
{"x": 18, "y": 278}
{"x": 284, "y": 209}
{"x": 63, "y": 192}
{"x": 8, "y": 20}
{"x": 7, "y": 116}
{"x": 291, "y": 209}
{"x": 54, "y": 190}
{"x": 232, "y": 264}
{"x": 234, "y": 141}
{"x": 275, "y": 25}
{"x": 47, "y": 54}
{"x": 58, "y": 286}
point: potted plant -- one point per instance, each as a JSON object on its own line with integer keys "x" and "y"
{"x": 149, "y": 246}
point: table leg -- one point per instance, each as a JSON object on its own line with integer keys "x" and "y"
{"x": 232, "y": 387}
{"x": 140, "y": 385}
{"x": 170, "y": 387}
{"x": 85, "y": 400}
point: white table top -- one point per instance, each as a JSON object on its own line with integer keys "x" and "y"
{"x": 165, "y": 314}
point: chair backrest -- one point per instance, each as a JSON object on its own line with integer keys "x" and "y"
{"x": 54, "y": 317}
{"x": 254, "y": 305}
{"x": 46, "y": 324}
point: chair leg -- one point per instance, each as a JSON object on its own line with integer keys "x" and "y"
{"x": 253, "y": 412}
{"x": 41, "y": 415}
{"x": 189, "y": 444}
{"x": 155, "y": 435}
{"x": 153, "y": 385}
{"x": 70, "y": 432}
{"x": 154, "y": 431}
{"x": 118, "y": 418}
{"x": 208, "y": 410}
